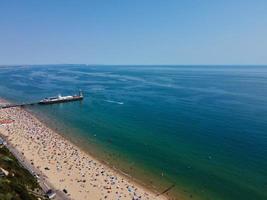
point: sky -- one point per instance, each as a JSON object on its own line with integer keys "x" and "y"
{"x": 181, "y": 32}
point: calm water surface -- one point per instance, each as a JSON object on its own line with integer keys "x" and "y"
{"x": 202, "y": 128}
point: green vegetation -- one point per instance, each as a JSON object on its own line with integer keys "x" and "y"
{"x": 18, "y": 184}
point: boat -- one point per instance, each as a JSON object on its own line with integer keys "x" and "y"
{"x": 62, "y": 99}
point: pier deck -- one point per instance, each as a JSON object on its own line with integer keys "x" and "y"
{"x": 17, "y": 105}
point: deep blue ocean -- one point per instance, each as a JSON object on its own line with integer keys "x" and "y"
{"x": 202, "y": 128}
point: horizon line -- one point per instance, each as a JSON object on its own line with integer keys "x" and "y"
{"x": 24, "y": 65}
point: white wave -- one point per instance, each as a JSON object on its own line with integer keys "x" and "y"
{"x": 117, "y": 102}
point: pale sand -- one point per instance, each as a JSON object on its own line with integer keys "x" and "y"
{"x": 70, "y": 168}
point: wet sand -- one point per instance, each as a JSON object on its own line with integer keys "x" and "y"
{"x": 65, "y": 165}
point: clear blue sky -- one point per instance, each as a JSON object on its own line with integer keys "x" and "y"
{"x": 133, "y": 31}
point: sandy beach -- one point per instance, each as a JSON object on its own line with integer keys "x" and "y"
{"x": 64, "y": 165}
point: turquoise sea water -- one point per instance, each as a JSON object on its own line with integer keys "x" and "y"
{"x": 202, "y": 128}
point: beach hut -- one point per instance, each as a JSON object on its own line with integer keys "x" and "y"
{"x": 50, "y": 194}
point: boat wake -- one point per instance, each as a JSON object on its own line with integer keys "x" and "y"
{"x": 116, "y": 102}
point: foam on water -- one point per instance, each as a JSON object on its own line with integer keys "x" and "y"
{"x": 116, "y": 102}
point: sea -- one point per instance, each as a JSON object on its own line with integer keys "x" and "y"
{"x": 199, "y": 130}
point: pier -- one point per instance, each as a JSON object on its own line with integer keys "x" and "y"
{"x": 17, "y": 105}
{"x": 48, "y": 100}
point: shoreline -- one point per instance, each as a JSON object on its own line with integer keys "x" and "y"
{"x": 75, "y": 168}
{"x": 97, "y": 155}
{"x": 108, "y": 164}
